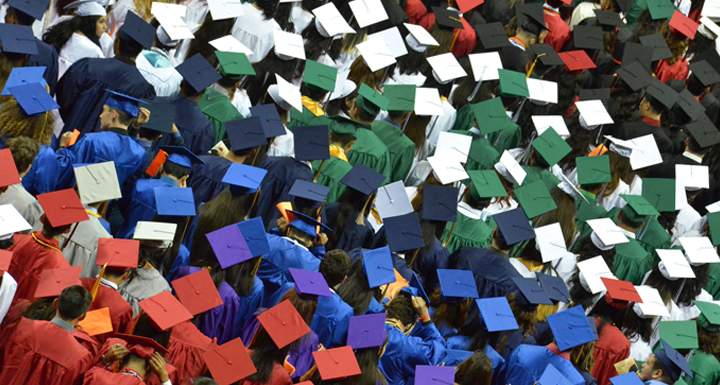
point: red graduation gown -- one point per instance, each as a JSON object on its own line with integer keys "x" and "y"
{"x": 415, "y": 9}
{"x": 101, "y": 376}
{"x": 120, "y": 310}
{"x": 559, "y": 32}
{"x": 279, "y": 376}
{"x": 32, "y": 254}
{"x": 464, "y": 40}
{"x": 611, "y": 347}
{"x": 186, "y": 348}
{"x": 679, "y": 70}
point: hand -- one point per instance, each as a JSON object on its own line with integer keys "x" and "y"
{"x": 321, "y": 240}
{"x": 282, "y": 224}
{"x": 142, "y": 118}
{"x": 321, "y": 347}
{"x": 420, "y": 307}
{"x": 157, "y": 365}
{"x": 116, "y": 353}
{"x": 65, "y": 138}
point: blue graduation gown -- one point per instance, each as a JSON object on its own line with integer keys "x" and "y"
{"x": 138, "y": 202}
{"x": 331, "y": 320}
{"x": 404, "y": 352}
{"x": 247, "y": 305}
{"x": 196, "y": 130}
{"x": 47, "y": 57}
{"x": 514, "y": 339}
{"x": 98, "y": 147}
{"x": 42, "y": 176}
{"x": 493, "y": 274}
{"x": 206, "y": 179}
{"x": 462, "y": 343}
{"x": 81, "y": 91}
{"x": 527, "y": 363}
{"x": 275, "y": 187}
{"x": 354, "y": 235}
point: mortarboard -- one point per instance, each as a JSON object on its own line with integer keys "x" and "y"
{"x": 33, "y": 8}
{"x": 307, "y": 224}
{"x": 230, "y": 44}
{"x": 392, "y": 200}
{"x": 367, "y": 331}
{"x": 638, "y": 52}
{"x": 253, "y": 231}
{"x": 485, "y": 65}
{"x": 363, "y": 179}
{"x": 270, "y": 120}
{"x": 447, "y": 18}
{"x": 370, "y": 100}
{"x": 246, "y": 133}
{"x": 592, "y": 170}
{"x": 492, "y": 36}
{"x": 10, "y": 174}
{"x": 457, "y": 284}
{"x": 514, "y": 226}
{"x": 288, "y": 45}
{"x": 638, "y": 208}
{"x": 608, "y": 232}
{"x": 401, "y": 97}
{"x": 175, "y": 201}
{"x": 403, "y": 232}
{"x": 535, "y": 199}
{"x": 24, "y": 75}
{"x": 368, "y": 12}
{"x": 652, "y": 304}
{"x": 234, "y": 64}
{"x": 661, "y": 9}
{"x": 662, "y": 92}
{"x": 490, "y": 116}
{"x": 311, "y": 143}
{"x": 513, "y": 83}
{"x": 33, "y": 98}
{"x": 702, "y": 70}
{"x": 634, "y": 75}
{"x": 679, "y": 334}
{"x": 486, "y": 184}
{"x": 699, "y": 250}
{"x": 467, "y": 5}
{"x": 53, "y": 281}
{"x": 530, "y": 12}
{"x": 545, "y": 54}
{"x": 552, "y": 376}
{"x": 434, "y": 375}
{"x": 440, "y": 203}
{"x": 181, "y": 156}
{"x": 446, "y": 170}
{"x": 621, "y": 290}
{"x": 155, "y": 231}
{"x": 675, "y": 264}
{"x": 12, "y": 221}
{"x": 608, "y": 19}
{"x": 17, "y": 39}
{"x": 550, "y": 147}
{"x": 124, "y": 103}
{"x": 244, "y": 179}
{"x": 446, "y": 68}
{"x": 62, "y": 207}
{"x": 329, "y": 22}
{"x": 197, "y": 292}
{"x": 713, "y": 220}
{"x": 709, "y": 317}
{"x": 542, "y": 91}
{"x": 138, "y": 30}
{"x": 532, "y": 292}
{"x": 577, "y": 60}
{"x": 376, "y": 54}
{"x": 691, "y": 106}
{"x": 556, "y": 122}
{"x": 692, "y": 176}
{"x": 283, "y": 323}
{"x": 378, "y": 267}
{"x": 592, "y": 269}
{"x": 630, "y": 378}
{"x": 162, "y": 117}
{"x": 170, "y": 17}
{"x": 338, "y": 362}
{"x": 497, "y": 314}
{"x": 310, "y": 283}
{"x": 593, "y": 112}
{"x": 421, "y": 35}
{"x": 415, "y": 282}
{"x": 592, "y": 94}
{"x": 672, "y": 362}
{"x": 164, "y": 310}
{"x": 660, "y": 193}
{"x": 510, "y": 169}
{"x": 141, "y": 346}
{"x": 229, "y": 362}
{"x": 683, "y": 26}
{"x": 427, "y": 102}
{"x": 225, "y": 9}
{"x": 319, "y": 77}
{"x": 551, "y": 242}
{"x": 704, "y": 132}
{"x": 658, "y": 44}
{"x": 198, "y": 73}
{"x": 118, "y": 254}
{"x": 309, "y": 190}
{"x": 229, "y": 246}
{"x": 570, "y": 328}
{"x": 588, "y": 37}
{"x": 555, "y": 287}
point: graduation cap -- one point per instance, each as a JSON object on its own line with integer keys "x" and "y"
{"x": 630, "y": 378}
{"x": 229, "y": 362}
{"x": 338, "y": 362}
{"x": 142, "y": 347}
{"x": 709, "y": 318}
{"x": 319, "y": 77}
{"x": 550, "y": 241}
{"x": 638, "y": 208}
{"x": 691, "y": 106}
{"x": 638, "y": 52}
{"x": 229, "y": 43}
{"x": 570, "y": 328}
{"x": 12, "y": 221}
{"x": 491, "y": 116}
{"x": 706, "y": 74}
{"x": 311, "y": 143}
{"x": 378, "y": 267}
{"x": 244, "y": 179}
{"x": 84, "y": 8}
{"x": 175, "y": 201}
{"x": 514, "y": 226}
{"x": 497, "y": 314}
{"x": 593, "y": 170}
{"x": 164, "y": 310}
{"x": 253, "y": 231}
{"x": 510, "y": 169}
{"x": 532, "y": 293}
{"x": 440, "y": 203}
{"x": 535, "y": 199}
{"x": 234, "y": 65}
{"x": 532, "y": 13}
{"x": 367, "y": 331}
{"x": 704, "y": 132}
{"x": 118, "y": 254}
{"x": 457, "y": 284}
{"x": 608, "y": 232}
{"x": 33, "y": 8}
{"x": 198, "y": 73}
{"x": 602, "y": 94}
{"x": 447, "y": 18}
{"x": 683, "y": 26}
{"x": 658, "y": 44}
{"x": 197, "y": 291}
{"x": 679, "y": 334}
{"x": 674, "y": 264}
{"x": 307, "y": 224}
{"x": 672, "y": 362}
{"x": 588, "y": 37}
{"x": 492, "y": 36}
{"x": 10, "y": 174}
{"x": 376, "y": 53}
{"x": 434, "y": 375}
{"x": 139, "y": 30}
{"x": 621, "y": 292}
{"x": 713, "y": 220}
{"x": 370, "y": 100}
{"x": 485, "y": 185}
{"x": 53, "y": 281}
{"x": 288, "y": 45}
{"x": 415, "y": 283}
{"x": 545, "y": 54}
{"x": 363, "y": 179}
{"x": 309, "y": 190}
{"x": 181, "y": 156}
{"x": 229, "y": 246}
{"x": 246, "y": 133}
{"x": 33, "y": 98}
{"x": 24, "y": 75}
{"x": 593, "y": 112}
{"x": 310, "y": 284}
{"x": 155, "y": 231}
{"x": 608, "y": 19}
{"x": 270, "y": 120}
{"x": 403, "y": 232}
{"x": 401, "y": 97}
{"x": 660, "y": 192}
{"x": 550, "y": 147}
{"x": 329, "y": 22}
{"x": 162, "y": 117}
{"x": 513, "y": 83}
{"x": 18, "y": 39}
{"x": 446, "y": 68}
{"x": 555, "y": 287}
{"x": 634, "y": 75}
{"x": 699, "y": 250}
{"x": 661, "y": 9}
{"x": 576, "y": 61}
{"x": 124, "y": 103}
{"x": 62, "y": 207}
{"x": 662, "y": 93}
{"x": 283, "y": 323}
{"x": 552, "y": 376}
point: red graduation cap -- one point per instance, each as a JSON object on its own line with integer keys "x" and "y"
{"x": 576, "y": 61}
{"x": 142, "y": 347}
{"x": 336, "y": 363}
{"x": 683, "y": 26}
{"x": 5, "y": 258}
{"x": 230, "y": 362}
{"x": 467, "y": 5}
{"x": 118, "y": 254}
{"x": 54, "y": 281}
{"x": 197, "y": 292}
{"x": 621, "y": 290}
{"x": 283, "y": 323}
{"x": 62, "y": 207}
{"x": 9, "y": 176}
{"x": 165, "y": 310}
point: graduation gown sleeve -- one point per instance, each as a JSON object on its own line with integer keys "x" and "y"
{"x": 705, "y": 369}
{"x": 42, "y": 177}
{"x": 186, "y": 348}
{"x": 428, "y": 262}
{"x": 81, "y": 248}
{"x": 631, "y": 262}
{"x": 612, "y": 347}
{"x": 219, "y": 322}
{"x": 300, "y": 355}
{"x": 400, "y": 147}
{"x": 403, "y": 353}
{"x": 196, "y": 130}
{"x": 559, "y": 31}
{"x": 47, "y": 57}
{"x": 371, "y": 152}
{"x": 29, "y": 260}
{"x": 101, "y": 376}
{"x": 331, "y": 320}
{"x": 465, "y": 40}
{"x": 333, "y": 171}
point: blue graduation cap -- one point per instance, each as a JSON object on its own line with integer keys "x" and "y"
{"x": 403, "y": 232}
{"x": 24, "y": 75}
{"x": 457, "y": 284}
{"x": 198, "y": 73}
{"x": 309, "y": 190}
{"x": 306, "y": 224}
{"x": 181, "y": 156}
{"x": 591, "y": 321}
{"x": 124, "y": 103}
{"x": 17, "y": 39}
{"x": 454, "y": 357}
{"x": 630, "y": 378}
{"x": 552, "y": 376}
{"x": 363, "y": 179}
{"x": 311, "y": 143}
{"x": 33, "y": 99}
{"x": 33, "y": 8}
{"x": 253, "y": 230}
{"x": 497, "y": 314}
{"x": 243, "y": 179}
{"x": 138, "y": 30}
{"x": 514, "y": 226}
{"x": 175, "y": 201}
{"x": 570, "y": 328}
{"x": 245, "y": 133}
{"x": 439, "y": 203}
{"x": 672, "y": 362}
{"x": 378, "y": 267}
{"x": 555, "y": 287}
{"x": 532, "y": 293}
{"x": 162, "y": 117}
{"x": 272, "y": 124}
{"x": 415, "y": 282}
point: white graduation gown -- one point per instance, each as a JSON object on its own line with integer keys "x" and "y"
{"x": 77, "y": 47}
{"x": 255, "y": 32}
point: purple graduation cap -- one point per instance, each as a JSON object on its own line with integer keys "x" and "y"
{"x": 229, "y": 246}
{"x": 309, "y": 283}
{"x": 434, "y": 375}
{"x": 367, "y": 331}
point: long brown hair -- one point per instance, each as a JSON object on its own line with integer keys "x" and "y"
{"x": 453, "y": 315}
{"x": 14, "y": 122}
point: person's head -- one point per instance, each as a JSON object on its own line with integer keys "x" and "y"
{"x": 305, "y": 307}
{"x": 91, "y": 27}
{"x": 315, "y": 94}
{"x": 145, "y": 327}
{"x": 176, "y": 171}
{"x": 401, "y": 310}
{"x": 24, "y": 150}
{"x": 53, "y": 232}
{"x": 72, "y": 304}
{"x": 344, "y": 141}
{"x": 693, "y": 146}
{"x": 335, "y": 266}
{"x": 126, "y": 46}
{"x": 14, "y": 16}
{"x": 476, "y": 370}
{"x": 14, "y": 123}
{"x": 268, "y": 7}
{"x": 149, "y": 135}
{"x": 650, "y": 107}
{"x": 627, "y": 219}
{"x": 653, "y": 370}
{"x": 360, "y": 114}
{"x": 265, "y": 356}
{"x": 356, "y": 290}
{"x": 113, "y": 117}
{"x": 528, "y": 32}
{"x": 116, "y": 276}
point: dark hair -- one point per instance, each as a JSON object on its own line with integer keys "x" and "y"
{"x": 356, "y": 291}
{"x": 305, "y": 307}
{"x": 316, "y": 95}
{"x": 149, "y": 134}
{"x": 49, "y": 231}
{"x": 401, "y": 309}
{"x": 268, "y": 7}
{"x": 283, "y": 16}
{"x": 415, "y": 127}
{"x": 654, "y": 103}
{"x": 145, "y": 327}
{"x": 349, "y": 205}
{"x": 60, "y": 33}
{"x": 669, "y": 289}
{"x": 412, "y": 63}
{"x": 203, "y": 381}
{"x": 476, "y": 370}
{"x": 40, "y": 309}
{"x": 21, "y": 17}
{"x": 453, "y": 315}
{"x": 627, "y": 222}
{"x": 127, "y": 46}
{"x": 265, "y": 356}
{"x": 73, "y": 302}
{"x": 342, "y": 139}
{"x": 123, "y": 118}
{"x": 209, "y": 30}
{"x": 24, "y": 150}
{"x": 175, "y": 170}
{"x": 695, "y": 147}
{"x": 186, "y": 89}
{"x": 709, "y": 342}
{"x": 335, "y": 266}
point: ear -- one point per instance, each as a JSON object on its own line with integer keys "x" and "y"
{"x": 184, "y": 179}
{"x": 55, "y": 302}
{"x": 28, "y": 169}
{"x": 68, "y": 229}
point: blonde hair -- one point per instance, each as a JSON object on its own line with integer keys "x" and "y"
{"x": 143, "y": 8}
{"x": 14, "y": 123}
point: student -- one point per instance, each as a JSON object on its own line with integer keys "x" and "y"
{"x": 155, "y": 63}
{"x": 368, "y": 149}
{"x": 143, "y": 357}
{"x": 318, "y": 80}
{"x": 664, "y": 366}
{"x": 558, "y": 30}
{"x": 389, "y": 131}
{"x": 703, "y": 361}
{"x": 216, "y": 102}
{"x": 23, "y": 152}
{"x": 464, "y": 38}
{"x": 255, "y": 28}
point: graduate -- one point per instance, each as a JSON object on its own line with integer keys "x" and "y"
{"x": 389, "y": 130}
{"x": 368, "y": 149}
{"x": 330, "y": 171}
{"x": 703, "y": 361}
{"x": 255, "y": 28}
{"x": 464, "y": 38}
{"x": 17, "y": 159}
{"x": 155, "y": 64}
{"x": 558, "y": 31}
{"x": 144, "y": 356}
{"x": 664, "y": 366}
{"x": 317, "y": 81}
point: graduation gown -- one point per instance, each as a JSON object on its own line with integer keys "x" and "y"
{"x": 247, "y": 305}
{"x": 120, "y": 311}
{"x": 23, "y": 202}
{"x": 7, "y": 293}
{"x": 81, "y": 248}
{"x": 679, "y": 70}
{"x": 527, "y": 363}
{"x": 186, "y": 348}
{"x": 76, "y": 48}
{"x": 47, "y": 57}
{"x": 507, "y": 138}
{"x": 195, "y": 128}
{"x": 464, "y": 40}
{"x": 206, "y": 179}
{"x": 493, "y": 274}
{"x": 42, "y": 177}
{"x": 632, "y": 262}
{"x": 275, "y": 187}
{"x": 705, "y": 369}
{"x": 401, "y": 148}
{"x": 470, "y": 231}
{"x": 333, "y": 171}
{"x": 146, "y": 283}
{"x": 403, "y": 352}
{"x": 665, "y": 142}
{"x": 218, "y": 110}
{"x": 305, "y": 118}
{"x": 611, "y": 347}
{"x": 558, "y": 30}
{"x": 428, "y": 262}
{"x": 156, "y": 68}
{"x": 81, "y": 91}
{"x": 32, "y": 254}
{"x": 101, "y": 376}
{"x": 482, "y": 154}
{"x": 331, "y": 320}
{"x": 370, "y": 151}
{"x": 300, "y": 355}
{"x": 138, "y": 202}
{"x": 354, "y": 235}
{"x": 415, "y": 9}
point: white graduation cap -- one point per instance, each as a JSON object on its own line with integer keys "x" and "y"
{"x": 642, "y": 151}
{"x": 155, "y": 231}
{"x": 427, "y": 102}
{"x": 11, "y": 221}
{"x": 652, "y": 303}
{"x": 485, "y": 65}
{"x": 178, "y": 10}
{"x": 699, "y": 250}
{"x": 446, "y": 67}
{"x": 608, "y": 232}
{"x": 693, "y": 176}
{"x": 453, "y": 146}
{"x": 289, "y": 93}
{"x": 681, "y": 200}
{"x": 593, "y": 112}
{"x": 393, "y": 39}
{"x": 708, "y": 28}
{"x": 510, "y": 169}
{"x": 97, "y": 182}
{"x": 368, "y": 12}
{"x": 225, "y": 9}
{"x": 230, "y": 44}
{"x": 288, "y": 45}
{"x": 171, "y": 21}
{"x": 551, "y": 242}
{"x": 447, "y": 170}
{"x": 620, "y": 146}
{"x": 711, "y": 9}
{"x": 343, "y": 86}
{"x": 421, "y": 34}
{"x": 376, "y": 54}
{"x": 392, "y": 200}
{"x": 592, "y": 270}
{"x": 542, "y": 90}
{"x": 675, "y": 263}
{"x": 331, "y": 20}
{"x": 86, "y": 8}
{"x": 556, "y": 122}
{"x": 713, "y": 207}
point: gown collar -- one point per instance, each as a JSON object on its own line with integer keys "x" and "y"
{"x": 124, "y": 60}
{"x": 170, "y": 181}
{"x": 62, "y": 324}
{"x": 118, "y": 131}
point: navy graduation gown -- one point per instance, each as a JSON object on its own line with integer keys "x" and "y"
{"x": 354, "y": 235}
{"x": 81, "y": 91}
{"x": 206, "y": 179}
{"x": 493, "y": 274}
{"x": 514, "y": 339}
{"x": 427, "y": 262}
{"x": 196, "y": 130}
{"x": 282, "y": 172}
{"x": 403, "y": 352}
{"x": 138, "y": 203}
{"x": 47, "y": 57}
{"x": 527, "y": 364}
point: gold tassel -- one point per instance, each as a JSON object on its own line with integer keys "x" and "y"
{"x": 361, "y": 218}
{"x": 318, "y": 171}
{"x": 257, "y": 266}
{"x": 96, "y": 285}
{"x": 532, "y": 67}
{"x": 412, "y": 260}
{"x": 447, "y": 240}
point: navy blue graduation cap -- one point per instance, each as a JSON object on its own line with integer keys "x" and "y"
{"x": 311, "y": 143}
{"x": 591, "y": 321}
{"x": 309, "y": 190}
{"x": 138, "y": 30}
{"x": 306, "y": 224}
{"x": 440, "y": 203}
{"x": 531, "y": 292}
{"x": 124, "y": 103}
{"x": 272, "y": 124}
{"x": 17, "y": 39}
{"x": 514, "y": 226}
{"x": 552, "y": 376}
{"x": 672, "y": 362}
{"x": 24, "y": 75}
{"x": 181, "y": 156}
{"x": 245, "y": 133}
{"x": 497, "y": 314}
{"x": 457, "y": 284}
{"x": 253, "y": 230}
{"x": 243, "y": 179}
{"x": 162, "y": 117}
{"x": 415, "y": 282}
{"x": 555, "y": 287}
{"x": 198, "y": 73}
{"x": 403, "y": 232}
{"x": 363, "y": 179}
{"x": 175, "y": 201}
{"x": 33, "y": 8}
{"x": 378, "y": 267}
{"x": 570, "y": 328}
{"x": 33, "y": 99}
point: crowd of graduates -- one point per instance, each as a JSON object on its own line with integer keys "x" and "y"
{"x": 366, "y": 192}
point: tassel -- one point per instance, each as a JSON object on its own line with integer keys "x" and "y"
{"x": 257, "y": 266}
{"x": 361, "y": 218}
{"x": 319, "y": 170}
{"x": 447, "y": 240}
{"x": 96, "y": 285}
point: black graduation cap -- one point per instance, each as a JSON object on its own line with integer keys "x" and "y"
{"x": 546, "y": 53}
{"x": 33, "y": 8}
{"x": 625, "y": 5}
{"x": 658, "y": 44}
{"x": 608, "y": 19}
{"x": 245, "y": 133}
{"x": 637, "y": 52}
{"x": 440, "y": 203}
{"x": 18, "y": 39}
{"x": 447, "y": 18}
{"x": 198, "y": 73}
{"x": 710, "y": 55}
{"x": 363, "y": 179}
{"x": 704, "y": 72}
{"x": 662, "y": 92}
{"x": 588, "y": 37}
{"x": 492, "y": 36}
{"x": 311, "y": 143}
{"x": 594, "y": 94}
{"x": 271, "y": 122}
{"x": 139, "y": 30}
{"x": 692, "y": 107}
{"x": 532, "y": 13}
{"x": 162, "y": 117}
{"x": 634, "y": 75}
{"x": 704, "y": 132}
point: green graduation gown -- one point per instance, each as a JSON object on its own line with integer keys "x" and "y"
{"x": 468, "y": 232}
{"x": 401, "y": 148}
{"x": 305, "y": 118}
{"x": 219, "y": 110}
{"x": 370, "y": 151}
{"x": 705, "y": 369}
{"x": 332, "y": 172}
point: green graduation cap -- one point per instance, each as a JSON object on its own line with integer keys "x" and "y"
{"x": 486, "y": 185}
{"x": 713, "y": 220}
{"x": 660, "y": 193}
{"x": 637, "y": 208}
{"x": 370, "y": 100}
{"x": 679, "y": 334}
{"x": 661, "y": 9}
{"x": 709, "y": 318}
{"x": 550, "y": 147}
{"x": 491, "y": 116}
{"x": 535, "y": 199}
{"x": 513, "y": 84}
{"x": 593, "y": 170}
{"x": 482, "y": 155}
{"x": 234, "y": 64}
{"x": 342, "y": 125}
{"x": 401, "y": 97}
{"x": 319, "y": 77}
